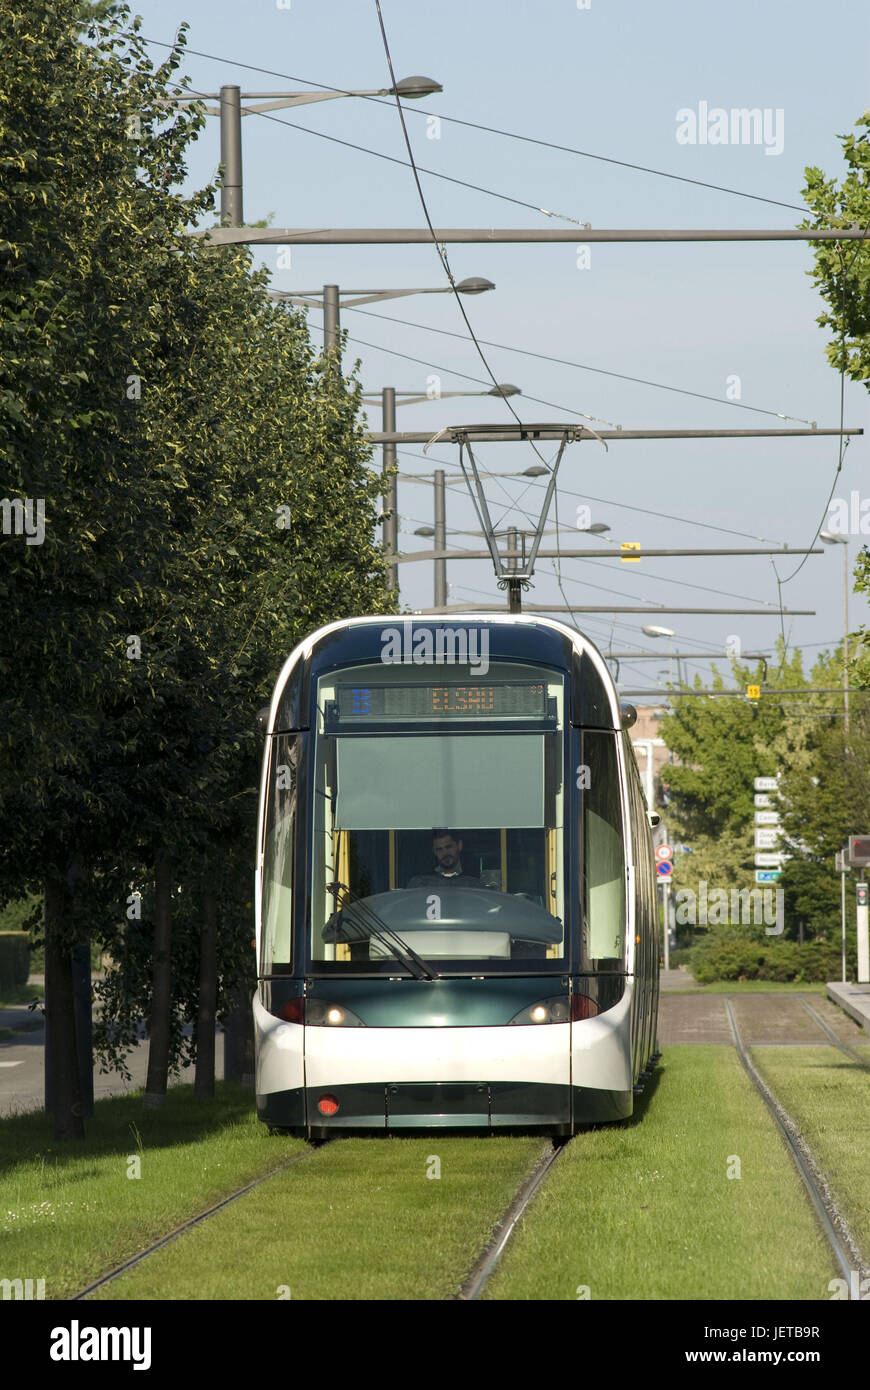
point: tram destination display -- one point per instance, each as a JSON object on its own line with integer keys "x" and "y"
{"x": 488, "y": 700}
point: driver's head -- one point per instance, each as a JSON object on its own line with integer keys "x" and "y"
{"x": 447, "y": 849}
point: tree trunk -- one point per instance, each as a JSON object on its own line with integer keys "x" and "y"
{"x": 161, "y": 990}
{"x": 83, "y": 1007}
{"x": 205, "y": 1019}
{"x": 63, "y": 1093}
{"x": 239, "y": 1039}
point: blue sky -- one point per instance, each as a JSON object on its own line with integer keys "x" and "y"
{"x": 609, "y": 80}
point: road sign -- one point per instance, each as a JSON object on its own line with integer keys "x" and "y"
{"x": 767, "y": 817}
{"x": 664, "y": 852}
{"x": 765, "y": 784}
{"x": 664, "y": 868}
{"x": 859, "y": 851}
{"x": 762, "y": 800}
{"x": 768, "y": 875}
{"x": 861, "y": 891}
{"x": 766, "y": 839}
{"x": 629, "y": 546}
{"x": 768, "y": 861}
{"x": 753, "y": 692}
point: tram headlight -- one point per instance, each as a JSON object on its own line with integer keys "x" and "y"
{"x": 556, "y": 1010}
{"x": 319, "y": 1013}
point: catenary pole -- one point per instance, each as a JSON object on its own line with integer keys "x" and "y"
{"x": 231, "y": 157}
{"x": 391, "y": 525}
{"x": 440, "y": 577}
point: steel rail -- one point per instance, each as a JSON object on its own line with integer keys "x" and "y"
{"x": 495, "y": 1247}
{"x": 832, "y": 1035}
{"x": 834, "y": 1228}
{"x": 186, "y": 1226}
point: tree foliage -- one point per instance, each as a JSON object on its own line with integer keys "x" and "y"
{"x": 842, "y": 273}
{"x": 723, "y": 743}
{"x": 206, "y": 494}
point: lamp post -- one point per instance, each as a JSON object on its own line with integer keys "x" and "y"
{"x": 389, "y": 401}
{"x": 654, "y": 631}
{"x": 231, "y": 112}
{"x": 331, "y": 298}
{"x": 834, "y": 538}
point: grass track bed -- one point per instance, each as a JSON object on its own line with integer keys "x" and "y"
{"x": 828, "y": 1097}
{"x": 646, "y": 1210}
{"x": 69, "y": 1212}
{"x": 359, "y": 1219}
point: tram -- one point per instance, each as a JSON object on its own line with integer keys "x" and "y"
{"x": 456, "y": 919}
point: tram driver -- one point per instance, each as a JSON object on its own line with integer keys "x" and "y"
{"x": 447, "y": 848}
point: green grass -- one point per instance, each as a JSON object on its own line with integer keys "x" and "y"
{"x": 754, "y": 987}
{"x": 14, "y": 996}
{"x": 829, "y": 1098}
{"x": 645, "y": 1210}
{"x": 69, "y": 1211}
{"x": 357, "y": 1219}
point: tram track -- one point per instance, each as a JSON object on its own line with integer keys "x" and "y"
{"x": 837, "y": 1233}
{"x": 474, "y": 1283}
{"x": 185, "y": 1226}
{"x": 832, "y": 1037}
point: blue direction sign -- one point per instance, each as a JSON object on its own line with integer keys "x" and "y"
{"x": 768, "y": 875}
{"x": 664, "y": 868}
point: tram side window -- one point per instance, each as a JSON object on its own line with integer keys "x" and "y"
{"x": 278, "y": 855}
{"x": 603, "y": 851}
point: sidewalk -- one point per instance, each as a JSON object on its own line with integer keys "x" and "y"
{"x": 677, "y": 979}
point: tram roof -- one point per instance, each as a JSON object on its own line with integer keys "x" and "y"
{"x": 598, "y": 685}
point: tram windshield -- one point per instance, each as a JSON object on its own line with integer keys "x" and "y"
{"x": 439, "y": 819}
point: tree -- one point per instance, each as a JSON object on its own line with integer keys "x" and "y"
{"x": 724, "y": 743}
{"x": 172, "y": 420}
{"x": 842, "y": 274}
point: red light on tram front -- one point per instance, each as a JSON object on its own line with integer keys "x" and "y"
{"x": 582, "y": 1007}
{"x": 293, "y": 1011}
{"x": 327, "y": 1105}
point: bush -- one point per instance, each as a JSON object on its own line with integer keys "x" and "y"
{"x": 681, "y": 955}
{"x": 720, "y": 956}
{"x": 14, "y": 959}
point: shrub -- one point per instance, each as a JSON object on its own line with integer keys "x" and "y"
{"x": 14, "y": 959}
{"x": 720, "y": 956}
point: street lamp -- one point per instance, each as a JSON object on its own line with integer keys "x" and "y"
{"x": 834, "y": 538}
{"x": 330, "y": 300}
{"x": 231, "y": 112}
{"x": 410, "y": 398}
{"x": 655, "y": 631}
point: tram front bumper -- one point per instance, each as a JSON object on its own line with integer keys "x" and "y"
{"x": 403, "y": 1108}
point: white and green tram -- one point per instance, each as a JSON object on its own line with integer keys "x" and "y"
{"x": 455, "y": 896}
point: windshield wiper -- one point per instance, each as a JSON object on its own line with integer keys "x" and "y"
{"x": 371, "y": 925}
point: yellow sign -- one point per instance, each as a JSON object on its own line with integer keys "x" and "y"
{"x": 630, "y": 545}
{"x": 753, "y": 692}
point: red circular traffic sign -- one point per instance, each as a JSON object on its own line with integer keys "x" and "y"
{"x": 664, "y": 852}
{"x": 664, "y": 868}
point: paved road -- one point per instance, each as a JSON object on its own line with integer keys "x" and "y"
{"x": 22, "y": 1078}
{"x": 761, "y": 1018}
